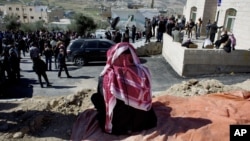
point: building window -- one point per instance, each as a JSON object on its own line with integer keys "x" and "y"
{"x": 41, "y": 9}
{"x": 230, "y": 19}
{"x": 18, "y": 17}
{"x": 40, "y": 18}
{"x": 17, "y": 9}
{"x": 30, "y": 9}
{"x": 24, "y": 17}
{"x": 31, "y": 17}
{"x": 193, "y": 13}
{"x": 10, "y": 8}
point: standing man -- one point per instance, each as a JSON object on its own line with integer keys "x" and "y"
{"x": 213, "y": 31}
{"x": 208, "y": 28}
{"x": 126, "y": 35}
{"x": 148, "y": 31}
{"x": 1, "y": 42}
{"x": 14, "y": 63}
{"x": 39, "y": 65}
{"x": 48, "y": 53}
{"x": 5, "y": 55}
{"x": 161, "y": 29}
{"x": 198, "y": 28}
{"x": 183, "y": 21}
{"x": 190, "y": 28}
{"x": 40, "y": 68}
{"x": 133, "y": 33}
{"x": 177, "y": 35}
{"x": 34, "y": 51}
{"x": 62, "y": 63}
{"x": 154, "y": 24}
{"x": 118, "y": 36}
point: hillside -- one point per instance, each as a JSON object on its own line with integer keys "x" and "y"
{"x": 92, "y": 8}
{"x": 84, "y": 6}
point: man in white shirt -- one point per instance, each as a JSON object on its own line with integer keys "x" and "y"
{"x": 177, "y": 35}
{"x": 34, "y": 51}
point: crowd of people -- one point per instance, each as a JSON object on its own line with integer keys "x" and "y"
{"x": 40, "y": 46}
{"x": 124, "y": 97}
{"x": 49, "y": 45}
{"x": 178, "y": 27}
{"x": 226, "y": 40}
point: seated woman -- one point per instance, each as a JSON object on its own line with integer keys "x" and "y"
{"x": 227, "y": 46}
{"x": 124, "y": 96}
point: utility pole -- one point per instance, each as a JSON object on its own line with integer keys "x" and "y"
{"x": 152, "y": 4}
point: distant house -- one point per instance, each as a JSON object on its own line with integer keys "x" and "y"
{"x": 29, "y": 14}
{"x": 138, "y": 15}
{"x": 62, "y": 24}
{"x": 231, "y": 14}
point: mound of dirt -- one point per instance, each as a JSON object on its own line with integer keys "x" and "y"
{"x": 42, "y": 117}
{"x": 194, "y": 87}
{"x": 52, "y": 118}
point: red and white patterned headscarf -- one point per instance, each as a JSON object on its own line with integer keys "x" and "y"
{"x": 126, "y": 79}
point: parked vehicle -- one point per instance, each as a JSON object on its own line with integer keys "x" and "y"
{"x": 100, "y": 33}
{"x": 82, "y": 51}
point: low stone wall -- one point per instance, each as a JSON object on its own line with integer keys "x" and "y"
{"x": 193, "y": 62}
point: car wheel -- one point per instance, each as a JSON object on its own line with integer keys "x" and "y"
{"x": 80, "y": 61}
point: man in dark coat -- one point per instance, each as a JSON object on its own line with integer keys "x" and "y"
{"x": 126, "y": 35}
{"x": 223, "y": 38}
{"x": 118, "y": 36}
{"x": 48, "y": 53}
{"x": 133, "y": 33}
{"x": 14, "y": 63}
{"x": 5, "y": 55}
{"x": 213, "y": 30}
{"x": 62, "y": 63}
{"x": 40, "y": 68}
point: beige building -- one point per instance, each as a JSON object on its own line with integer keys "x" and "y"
{"x": 233, "y": 15}
{"x": 29, "y": 14}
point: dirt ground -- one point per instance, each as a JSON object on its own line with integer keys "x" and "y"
{"x": 52, "y": 118}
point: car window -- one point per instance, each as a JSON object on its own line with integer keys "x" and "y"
{"x": 90, "y": 44}
{"x": 104, "y": 44}
{"x": 75, "y": 45}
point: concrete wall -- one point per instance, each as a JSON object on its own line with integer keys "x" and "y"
{"x": 193, "y": 62}
{"x": 173, "y": 53}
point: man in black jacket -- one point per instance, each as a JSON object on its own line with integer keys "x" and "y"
{"x": 62, "y": 63}
{"x": 133, "y": 33}
{"x": 213, "y": 30}
{"x": 39, "y": 66}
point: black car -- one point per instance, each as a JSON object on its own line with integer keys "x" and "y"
{"x": 82, "y": 51}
